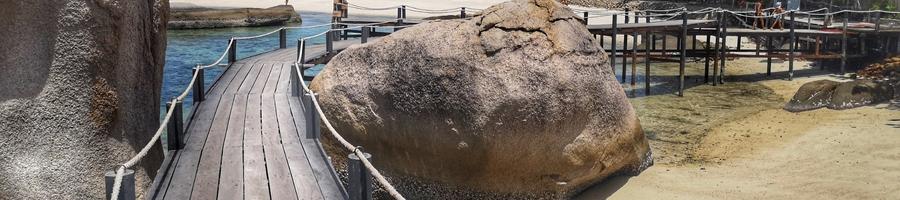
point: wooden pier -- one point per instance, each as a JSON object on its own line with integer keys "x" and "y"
{"x": 251, "y": 135}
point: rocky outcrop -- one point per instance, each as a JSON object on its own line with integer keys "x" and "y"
{"x": 79, "y": 94}
{"x": 838, "y": 95}
{"x": 193, "y": 17}
{"x": 518, "y": 101}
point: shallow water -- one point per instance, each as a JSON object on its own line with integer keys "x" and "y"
{"x": 188, "y": 48}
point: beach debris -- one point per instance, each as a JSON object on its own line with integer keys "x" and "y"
{"x": 839, "y": 95}
{"x": 526, "y": 86}
{"x": 888, "y": 68}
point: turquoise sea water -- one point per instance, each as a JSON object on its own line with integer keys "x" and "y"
{"x": 188, "y": 48}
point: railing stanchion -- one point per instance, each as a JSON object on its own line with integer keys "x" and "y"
{"x": 647, "y": 64}
{"x": 403, "y": 13}
{"x": 313, "y": 128}
{"x": 199, "y": 85}
{"x": 329, "y": 42}
{"x": 232, "y": 51}
{"x": 301, "y": 51}
{"x": 724, "y": 48}
{"x": 625, "y": 47}
{"x": 793, "y": 48}
{"x": 126, "y": 191}
{"x": 462, "y": 13}
{"x": 769, "y": 52}
{"x": 360, "y": 178}
{"x": 175, "y": 127}
{"x": 585, "y": 18}
{"x": 365, "y": 35}
{"x": 295, "y": 79}
{"x": 282, "y": 38}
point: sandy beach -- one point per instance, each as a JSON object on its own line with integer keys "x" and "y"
{"x": 744, "y": 146}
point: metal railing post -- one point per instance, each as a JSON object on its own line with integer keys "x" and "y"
{"x": 126, "y": 192}
{"x": 329, "y": 42}
{"x": 295, "y": 79}
{"x": 199, "y": 85}
{"x": 462, "y": 12}
{"x": 301, "y": 51}
{"x": 360, "y": 178}
{"x": 625, "y": 47}
{"x": 175, "y": 127}
{"x": 282, "y": 38}
{"x": 365, "y": 35}
{"x": 878, "y": 22}
{"x": 313, "y": 128}
{"x": 232, "y": 51}
{"x": 585, "y": 18}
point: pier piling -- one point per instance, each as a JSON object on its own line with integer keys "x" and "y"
{"x": 126, "y": 191}
{"x": 175, "y": 127}
{"x": 199, "y": 85}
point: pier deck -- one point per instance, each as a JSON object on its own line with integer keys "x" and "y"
{"x": 247, "y": 139}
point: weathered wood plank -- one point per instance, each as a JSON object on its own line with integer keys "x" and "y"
{"x": 231, "y": 185}
{"x": 322, "y": 169}
{"x": 256, "y": 183}
{"x": 207, "y": 178}
{"x": 281, "y": 186}
{"x": 183, "y": 175}
{"x": 304, "y": 180}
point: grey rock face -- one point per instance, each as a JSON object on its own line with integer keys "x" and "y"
{"x": 79, "y": 94}
{"x": 199, "y": 17}
{"x": 520, "y": 100}
{"x": 811, "y": 96}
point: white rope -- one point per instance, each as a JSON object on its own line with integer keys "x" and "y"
{"x": 375, "y": 173}
{"x": 227, "y": 48}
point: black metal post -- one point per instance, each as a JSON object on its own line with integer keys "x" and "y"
{"x": 313, "y": 128}
{"x": 232, "y": 51}
{"x": 793, "y": 47}
{"x": 717, "y": 48}
{"x": 329, "y": 42}
{"x": 462, "y": 13}
{"x": 365, "y": 35}
{"x": 295, "y": 79}
{"x": 683, "y": 55}
{"x": 175, "y": 127}
{"x": 360, "y": 179}
{"x": 403, "y": 11}
{"x": 199, "y": 85}
{"x": 126, "y": 192}
{"x": 282, "y": 38}
{"x": 585, "y": 18}
{"x": 612, "y": 56}
{"x": 706, "y": 58}
{"x": 634, "y": 53}
{"x": 724, "y": 47}
{"x": 301, "y": 51}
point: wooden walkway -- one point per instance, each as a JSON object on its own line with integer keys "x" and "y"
{"x": 247, "y": 139}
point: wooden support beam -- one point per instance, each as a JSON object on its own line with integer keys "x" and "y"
{"x": 612, "y": 56}
{"x": 232, "y": 51}
{"x": 844, "y": 44}
{"x": 625, "y": 47}
{"x": 769, "y": 52}
{"x": 706, "y": 62}
{"x": 365, "y": 35}
{"x": 793, "y": 47}
{"x": 634, "y": 52}
{"x": 724, "y": 48}
{"x": 683, "y": 55}
{"x": 647, "y": 65}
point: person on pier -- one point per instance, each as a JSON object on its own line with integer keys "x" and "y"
{"x": 778, "y": 23}
{"x": 759, "y": 22}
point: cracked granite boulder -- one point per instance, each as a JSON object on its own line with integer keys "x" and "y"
{"x": 517, "y": 102}
{"x": 79, "y": 94}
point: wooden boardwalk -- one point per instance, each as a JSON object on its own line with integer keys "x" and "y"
{"x": 247, "y": 139}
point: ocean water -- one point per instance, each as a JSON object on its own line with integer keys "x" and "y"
{"x": 188, "y": 48}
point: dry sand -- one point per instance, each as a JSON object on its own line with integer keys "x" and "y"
{"x": 744, "y": 146}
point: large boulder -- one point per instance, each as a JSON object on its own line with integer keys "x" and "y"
{"x": 188, "y": 16}
{"x": 519, "y": 100}
{"x": 79, "y": 94}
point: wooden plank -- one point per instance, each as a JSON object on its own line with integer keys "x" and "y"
{"x": 183, "y": 175}
{"x": 328, "y": 184}
{"x": 231, "y": 185}
{"x": 281, "y": 186}
{"x": 207, "y": 178}
{"x": 256, "y": 183}
{"x": 301, "y": 172}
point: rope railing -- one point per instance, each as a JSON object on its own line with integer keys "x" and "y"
{"x": 357, "y": 150}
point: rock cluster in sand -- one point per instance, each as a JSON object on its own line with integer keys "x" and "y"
{"x": 839, "y": 95}
{"x": 519, "y": 100}
{"x": 79, "y": 94}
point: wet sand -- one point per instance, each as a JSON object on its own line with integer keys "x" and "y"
{"x": 734, "y": 141}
